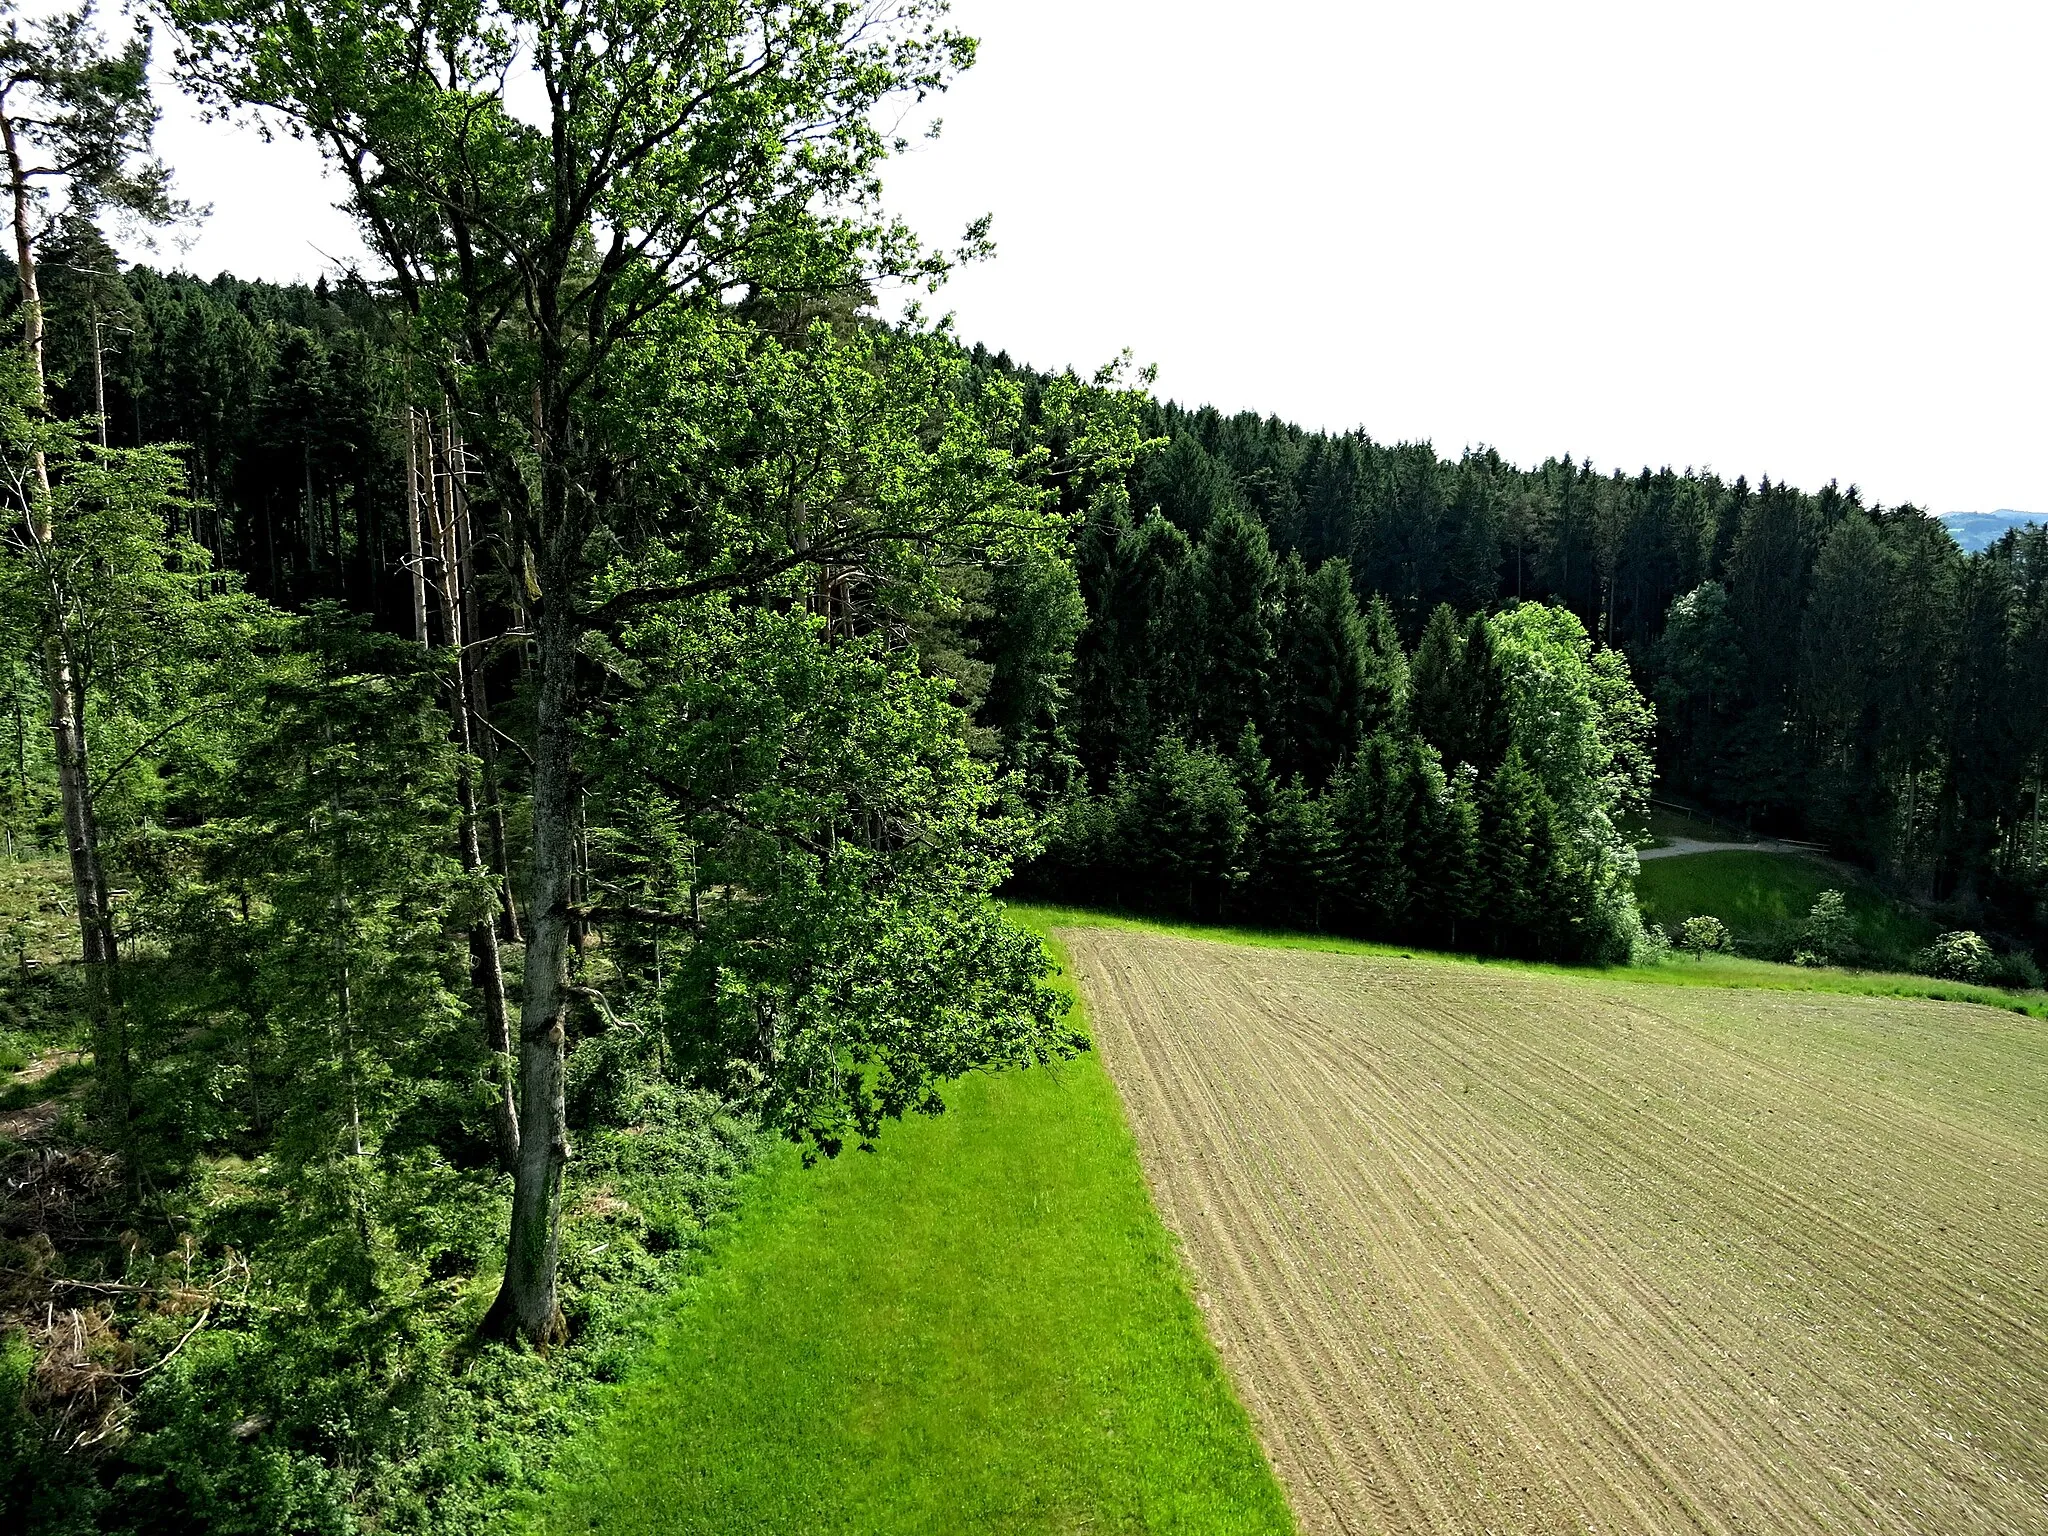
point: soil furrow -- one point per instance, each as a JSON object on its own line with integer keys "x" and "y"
{"x": 1490, "y": 1250}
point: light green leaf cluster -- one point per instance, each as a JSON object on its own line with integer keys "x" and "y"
{"x": 1583, "y": 728}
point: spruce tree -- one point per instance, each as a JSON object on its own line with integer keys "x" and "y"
{"x": 1298, "y": 870}
{"x": 1483, "y": 699}
{"x": 1436, "y": 685}
{"x": 1286, "y": 697}
{"x": 1371, "y": 805}
{"x": 1442, "y": 854}
{"x": 1325, "y": 668}
{"x": 1511, "y": 807}
{"x": 1103, "y": 688}
{"x": 1238, "y": 583}
{"x": 1185, "y": 825}
{"x": 1383, "y": 703}
{"x": 1188, "y": 486}
{"x": 1174, "y": 658}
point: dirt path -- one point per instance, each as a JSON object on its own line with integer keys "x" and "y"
{"x": 1487, "y": 1251}
{"x": 1671, "y": 848}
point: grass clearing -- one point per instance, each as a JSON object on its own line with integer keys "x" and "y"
{"x": 980, "y": 1327}
{"x": 1764, "y": 899}
{"x": 1489, "y": 1248}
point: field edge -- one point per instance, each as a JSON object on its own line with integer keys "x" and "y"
{"x": 1720, "y": 971}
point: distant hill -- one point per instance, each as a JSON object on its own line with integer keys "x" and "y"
{"x": 1980, "y": 530}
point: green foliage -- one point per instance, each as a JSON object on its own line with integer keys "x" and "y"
{"x": 157, "y": 636}
{"x": 1237, "y": 583}
{"x": 1300, "y": 859}
{"x": 1393, "y": 844}
{"x": 328, "y": 873}
{"x": 1035, "y": 616}
{"x": 1957, "y": 956}
{"x": 848, "y": 958}
{"x": 80, "y": 116}
{"x": 1329, "y": 685}
{"x": 2015, "y": 969}
{"x": 1183, "y": 825}
{"x": 1436, "y": 703}
{"x": 1456, "y": 700}
{"x": 1703, "y": 936}
{"x": 295, "y": 1421}
{"x": 1830, "y": 932}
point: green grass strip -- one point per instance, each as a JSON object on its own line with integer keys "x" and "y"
{"x": 982, "y": 1326}
{"x": 1678, "y": 971}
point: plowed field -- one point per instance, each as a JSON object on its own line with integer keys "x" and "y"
{"x": 1488, "y": 1250}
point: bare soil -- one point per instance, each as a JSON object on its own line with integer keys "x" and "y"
{"x": 1488, "y": 1250}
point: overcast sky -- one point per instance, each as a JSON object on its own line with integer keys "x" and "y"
{"x": 1794, "y": 238}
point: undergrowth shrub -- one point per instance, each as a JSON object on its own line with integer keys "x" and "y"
{"x": 2015, "y": 970}
{"x": 306, "y": 1408}
{"x": 1703, "y": 935}
{"x": 1957, "y": 956}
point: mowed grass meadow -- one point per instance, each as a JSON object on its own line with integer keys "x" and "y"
{"x": 981, "y": 1326}
{"x": 1764, "y": 898}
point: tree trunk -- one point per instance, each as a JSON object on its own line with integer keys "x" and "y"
{"x": 67, "y": 712}
{"x": 479, "y": 700}
{"x": 527, "y": 1304}
{"x": 88, "y": 884}
{"x": 486, "y": 964}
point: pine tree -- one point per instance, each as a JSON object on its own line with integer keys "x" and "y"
{"x": 1371, "y": 805}
{"x": 1324, "y": 667}
{"x": 1238, "y": 581}
{"x": 1511, "y": 808}
{"x": 1383, "y": 702}
{"x": 1436, "y": 685}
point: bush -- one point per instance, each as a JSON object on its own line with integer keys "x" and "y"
{"x": 2016, "y": 971}
{"x": 1958, "y": 956}
{"x": 1699, "y": 936}
{"x": 1828, "y": 930}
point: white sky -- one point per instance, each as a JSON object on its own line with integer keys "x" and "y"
{"x": 1798, "y": 238}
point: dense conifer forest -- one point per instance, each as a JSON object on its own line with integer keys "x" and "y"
{"x": 1818, "y": 667}
{"x": 496, "y": 738}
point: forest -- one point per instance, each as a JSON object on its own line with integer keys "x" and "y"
{"x": 1800, "y": 663}
{"x": 497, "y": 738}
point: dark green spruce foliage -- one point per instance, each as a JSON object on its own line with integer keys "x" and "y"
{"x": 1330, "y": 684}
{"x": 1237, "y": 584}
{"x": 1822, "y": 667}
{"x": 1183, "y": 825}
{"x": 1436, "y": 706}
{"x": 1395, "y": 802}
{"x": 1808, "y": 689}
